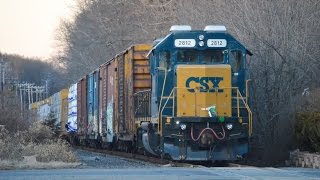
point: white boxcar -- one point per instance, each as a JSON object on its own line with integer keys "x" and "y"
{"x": 72, "y": 101}
{"x": 55, "y": 109}
{"x": 43, "y": 110}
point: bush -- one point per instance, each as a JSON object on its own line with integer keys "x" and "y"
{"x": 307, "y": 126}
{"x": 36, "y": 133}
{"x": 10, "y": 148}
{"x": 10, "y": 114}
{"x": 307, "y": 130}
{"x": 37, "y": 141}
{"x": 51, "y": 151}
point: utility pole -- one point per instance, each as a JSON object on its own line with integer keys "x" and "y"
{"x": 21, "y": 101}
{"x": 30, "y": 91}
{"x": 46, "y": 88}
{"x": 29, "y": 97}
{"x": 37, "y": 92}
{"x": 2, "y": 81}
{"x": 2, "y": 73}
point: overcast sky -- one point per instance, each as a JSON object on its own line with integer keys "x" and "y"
{"x": 27, "y": 26}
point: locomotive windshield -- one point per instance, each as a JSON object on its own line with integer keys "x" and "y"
{"x": 187, "y": 56}
{"x": 212, "y": 56}
{"x": 195, "y": 56}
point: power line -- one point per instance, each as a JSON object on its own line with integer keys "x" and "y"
{"x": 30, "y": 93}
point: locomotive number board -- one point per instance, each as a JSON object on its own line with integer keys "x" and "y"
{"x": 185, "y": 43}
{"x": 217, "y": 43}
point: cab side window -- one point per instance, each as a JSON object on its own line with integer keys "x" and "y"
{"x": 235, "y": 60}
{"x": 164, "y": 59}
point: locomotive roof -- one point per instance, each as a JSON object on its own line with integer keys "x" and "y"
{"x": 194, "y": 34}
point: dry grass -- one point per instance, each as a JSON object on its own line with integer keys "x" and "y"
{"x": 307, "y": 127}
{"x": 51, "y": 151}
{"x": 37, "y": 141}
{"x": 307, "y": 130}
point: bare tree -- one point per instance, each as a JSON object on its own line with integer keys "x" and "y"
{"x": 10, "y": 112}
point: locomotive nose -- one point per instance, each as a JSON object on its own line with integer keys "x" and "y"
{"x": 201, "y": 86}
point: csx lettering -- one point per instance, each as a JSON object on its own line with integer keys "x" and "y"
{"x": 204, "y": 83}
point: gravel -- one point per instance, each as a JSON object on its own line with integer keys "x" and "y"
{"x": 97, "y": 160}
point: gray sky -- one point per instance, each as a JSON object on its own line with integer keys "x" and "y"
{"x": 27, "y": 26}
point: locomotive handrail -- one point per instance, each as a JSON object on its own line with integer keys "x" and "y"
{"x": 249, "y": 111}
{"x": 160, "y": 117}
{"x": 238, "y": 97}
{"x": 247, "y": 90}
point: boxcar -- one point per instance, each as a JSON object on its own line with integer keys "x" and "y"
{"x": 72, "y": 107}
{"x": 82, "y": 109}
{"x": 103, "y": 80}
{"x": 41, "y": 109}
{"x": 120, "y": 78}
{"x": 64, "y": 108}
{"x": 93, "y": 105}
{"x": 59, "y": 110}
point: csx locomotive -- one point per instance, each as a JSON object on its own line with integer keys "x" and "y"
{"x": 185, "y": 98}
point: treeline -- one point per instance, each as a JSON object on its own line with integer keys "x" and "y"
{"x": 283, "y": 35}
{"x": 16, "y": 69}
{"x": 21, "y": 69}
{"x": 19, "y": 135}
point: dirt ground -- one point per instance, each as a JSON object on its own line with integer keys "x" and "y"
{"x": 30, "y": 162}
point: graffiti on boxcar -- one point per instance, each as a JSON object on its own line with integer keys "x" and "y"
{"x": 109, "y": 121}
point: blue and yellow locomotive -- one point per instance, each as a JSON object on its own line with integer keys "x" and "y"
{"x": 199, "y": 96}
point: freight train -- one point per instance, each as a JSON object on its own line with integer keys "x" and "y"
{"x": 185, "y": 97}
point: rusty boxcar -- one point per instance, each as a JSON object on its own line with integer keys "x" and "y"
{"x": 119, "y": 79}
{"x": 93, "y": 106}
{"x": 82, "y": 109}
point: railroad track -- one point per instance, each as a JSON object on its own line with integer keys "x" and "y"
{"x": 156, "y": 160}
{"x": 150, "y": 159}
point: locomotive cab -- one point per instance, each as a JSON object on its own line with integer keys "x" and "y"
{"x": 199, "y": 98}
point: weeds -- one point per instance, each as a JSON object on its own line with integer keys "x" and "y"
{"x": 39, "y": 141}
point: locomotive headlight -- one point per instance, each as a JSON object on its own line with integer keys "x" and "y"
{"x": 201, "y": 43}
{"x": 229, "y": 126}
{"x": 201, "y": 37}
{"x": 183, "y": 127}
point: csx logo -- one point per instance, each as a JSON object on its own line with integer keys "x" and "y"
{"x": 205, "y": 83}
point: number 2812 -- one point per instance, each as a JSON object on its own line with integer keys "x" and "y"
{"x": 182, "y": 43}
{"x": 216, "y": 43}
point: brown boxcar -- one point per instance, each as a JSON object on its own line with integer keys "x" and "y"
{"x": 103, "y": 80}
{"x": 107, "y": 101}
{"x": 120, "y": 78}
{"x": 133, "y": 76}
{"x": 110, "y": 111}
{"x": 136, "y": 78}
{"x": 82, "y": 109}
